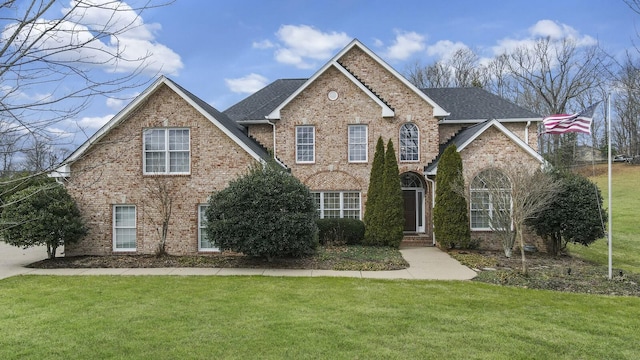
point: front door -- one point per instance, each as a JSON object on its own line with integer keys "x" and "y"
{"x": 413, "y": 195}
{"x": 409, "y": 210}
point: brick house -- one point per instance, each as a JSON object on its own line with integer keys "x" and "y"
{"x": 324, "y": 129}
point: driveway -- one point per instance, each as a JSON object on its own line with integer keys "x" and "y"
{"x": 13, "y": 259}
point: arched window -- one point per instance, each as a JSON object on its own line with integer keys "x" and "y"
{"x": 409, "y": 143}
{"x": 490, "y": 201}
{"x": 411, "y": 180}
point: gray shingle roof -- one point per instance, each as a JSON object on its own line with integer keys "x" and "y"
{"x": 263, "y": 102}
{"x": 477, "y": 104}
{"x": 460, "y": 138}
{"x": 236, "y": 129}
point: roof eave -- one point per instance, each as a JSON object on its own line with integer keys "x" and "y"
{"x": 477, "y": 121}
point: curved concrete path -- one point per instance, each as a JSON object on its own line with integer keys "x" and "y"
{"x": 425, "y": 263}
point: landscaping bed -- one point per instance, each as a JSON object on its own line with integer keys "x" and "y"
{"x": 327, "y": 258}
{"x": 561, "y": 273}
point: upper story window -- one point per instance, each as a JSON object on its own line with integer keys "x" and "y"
{"x": 166, "y": 151}
{"x": 409, "y": 143}
{"x": 357, "y": 143}
{"x": 305, "y": 144}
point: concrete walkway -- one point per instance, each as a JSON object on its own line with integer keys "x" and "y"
{"x": 426, "y": 263}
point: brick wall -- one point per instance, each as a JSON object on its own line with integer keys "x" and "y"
{"x": 331, "y": 169}
{"x": 493, "y": 149}
{"x": 111, "y": 173}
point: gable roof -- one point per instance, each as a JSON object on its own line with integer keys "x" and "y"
{"x": 257, "y": 106}
{"x": 468, "y": 135}
{"x": 218, "y": 119}
{"x": 472, "y": 104}
{"x": 386, "y": 110}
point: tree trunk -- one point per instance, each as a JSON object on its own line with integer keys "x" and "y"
{"x": 524, "y": 260}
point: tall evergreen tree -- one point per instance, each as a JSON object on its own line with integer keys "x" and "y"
{"x": 392, "y": 203}
{"x": 372, "y": 214}
{"x": 450, "y": 217}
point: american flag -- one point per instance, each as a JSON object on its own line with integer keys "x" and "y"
{"x": 563, "y": 123}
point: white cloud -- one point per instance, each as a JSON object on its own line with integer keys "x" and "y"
{"x": 93, "y": 122}
{"x": 303, "y": 45}
{"x": 405, "y": 45}
{"x": 444, "y": 49}
{"x": 120, "y": 102}
{"x": 544, "y": 29}
{"x": 264, "y": 44}
{"x": 115, "y": 103}
{"x": 248, "y": 84}
{"x": 132, "y": 38}
{"x": 58, "y": 133}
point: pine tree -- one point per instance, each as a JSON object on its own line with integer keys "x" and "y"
{"x": 450, "y": 217}
{"x": 392, "y": 201}
{"x": 372, "y": 216}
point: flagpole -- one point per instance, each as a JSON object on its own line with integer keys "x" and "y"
{"x": 609, "y": 181}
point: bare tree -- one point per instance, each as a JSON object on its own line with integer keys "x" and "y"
{"x": 467, "y": 71}
{"x": 159, "y": 205}
{"x": 553, "y": 76}
{"x": 491, "y": 190}
{"x": 626, "y": 131}
{"x": 531, "y": 192}
{"x": 510, "y": 195}
{"x": 462, "y": 69}
{"x": 50, "y": 70}
{"x": 435, "y": 75}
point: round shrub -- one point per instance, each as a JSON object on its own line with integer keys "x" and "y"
{"x": 266, "y": 213}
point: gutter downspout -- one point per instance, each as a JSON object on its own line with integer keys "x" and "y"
{"x": 433, "y": 204}
{"x": 273, "y": 125}
{"x": 526, "y": 132}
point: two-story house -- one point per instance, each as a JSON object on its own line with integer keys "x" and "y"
{"x": 324, "y": 129}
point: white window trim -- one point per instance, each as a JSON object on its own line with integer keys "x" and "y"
{"x": 488, "y": 211}
{"x": 366, "y": 143}
{"x": 201, "y": 228}
{"x": 400, "y": 143}
{"x": 313, "y": 160}
{"x": 342, "y": 209}
{"x": 166, "y": 151}
{"x": 114, "y": 227}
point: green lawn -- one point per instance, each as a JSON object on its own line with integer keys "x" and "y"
{"x": 626, "y": 220}
{"x": 101, "y": 317}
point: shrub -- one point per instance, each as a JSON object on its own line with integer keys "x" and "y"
{"x": 450, "y": 217}
{"x": 392, "y": 205}
{"x": 42, "y": 214}
{"x": 384, "y": 214}
{"x": 266, "y": 213}
{"x": 340, "y": 231}
{"x": 375, "y": 193}
{"x": 575, "y": 216}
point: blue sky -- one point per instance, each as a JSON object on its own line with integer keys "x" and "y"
{"x": 222, "y": 51}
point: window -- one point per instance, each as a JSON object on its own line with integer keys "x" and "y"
{"x": 338, "y": 204}
{"x": 490, "y": 201}
{"x": 305, "y": 144}
{"x": 166, "y": 151}
{"x": 409, "y": 143}
{"x": 357, "y": 143}
{"x": 124, "y": 228}
{"x": 204, "y": 244}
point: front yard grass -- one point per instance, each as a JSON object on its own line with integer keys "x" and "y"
{"x": 92, "y": 317}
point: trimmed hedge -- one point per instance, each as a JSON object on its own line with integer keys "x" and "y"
{"x": 340, "y": 231}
